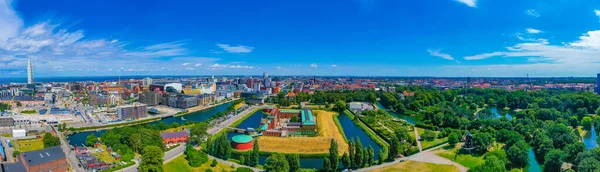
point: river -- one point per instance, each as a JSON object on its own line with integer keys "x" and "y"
{"x": 199, "y": 116}
{"x": 497, "y": 114}
{"x": 350, "y": 130}
{"x": 589, "y": 140}
{"x": 410, "y": 119}
{"x": 534, "y": 165}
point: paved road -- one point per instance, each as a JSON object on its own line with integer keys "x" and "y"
{"x": 71, "y": 158}
{"x": 422, "y": 156}
{"x": 231, "y": 120}
{"x": 8, "y": 151}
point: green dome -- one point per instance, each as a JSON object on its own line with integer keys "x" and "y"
{"x": 241, "y": 138}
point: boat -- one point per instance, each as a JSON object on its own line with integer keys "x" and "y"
{"x": 183, "y": 119}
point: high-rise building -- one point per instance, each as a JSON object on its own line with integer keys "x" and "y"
{"x": 29, "y": 72}
{"x": 147, "y": 81}
{"x": 598, "y": 83}
{"x": 265, "y": 75}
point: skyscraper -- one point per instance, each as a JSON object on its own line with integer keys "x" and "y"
{"x": 29, "y": 72}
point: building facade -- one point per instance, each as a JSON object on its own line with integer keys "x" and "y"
{"x": 134, "y": 111}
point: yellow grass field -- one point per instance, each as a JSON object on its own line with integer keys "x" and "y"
{"x": 239, "y": 105}
{"x": 409, "y": 166}
{"x": 308, "y": 145}
{"x": 27, "y": 145}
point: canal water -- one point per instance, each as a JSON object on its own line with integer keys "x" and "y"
{"x": 497, "y": 113}
{"x": 350, "y": 130}
{"x": 410, "y": 119}
{"x": 78, "y": 139}
{"x": 589, "y": 140}
{"x": 534, "y": 165}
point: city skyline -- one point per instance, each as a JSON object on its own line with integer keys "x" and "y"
{"x": 449, "y": 38}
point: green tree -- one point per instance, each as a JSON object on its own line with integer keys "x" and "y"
{"x": 393, "y": 149}
{"x": 152, "y": 159}
{"x": 482, "y": 141}
{"x": 346, "y": 160}
{"x": 198, "y": 132}
{"x": 294, "y": 161}
{"x": 572, "y": 150}
{"x": 586, "y": 122}
{"x": 90, "y": 140}
{"x": 326, "y": 165}
{"x": 294, "y": 119}
{"x": 370, "y": 156}
{"x": 453, "y": 139}
{"x": 428, "y": 135}
{"x": 254, "y": 155}
{"x": 135, "y": 141}
{"x": 517, "y": 154}
{"x": 553, "y": 160}
{"x": 340, "y": 106}
{"x": 50, "y": 141}
{"x": 382, "y": 156}
{"x": 195, "y": 158}
{"x": 16, "y": 153}
{"x": 358, "y": 155}
{"x": 333, "y": 155}
{"x": 492, "y": 163}
{"x": 277, "y": 163}
{"x": 351, "y": 147}
{"x": 588, "y": 165}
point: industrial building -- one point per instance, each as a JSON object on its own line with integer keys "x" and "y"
{"x": 242, "y": 142}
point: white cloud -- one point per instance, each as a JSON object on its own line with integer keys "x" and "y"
{"x": 470, "y": 3}
{"x": 333, "y": 65}
{"x": 51, "y": 45}
{"x": 437, "y": 53}
{"x": 590, "y": 39}
{"x": 586, "y": 50}
{"x": 532, "y": 13}
{"x": 533, "y": 31}
{"x": 190, "y": 68}
{"x": 198, "y": 64}
{"x": 223, "y": 66}
{"x": 185, "y": 64}
{"x": 314, "y": 65}
{"x": 597, "y": 12}
{"x": 236, "y": 49}
{"x": 483, "y": 56}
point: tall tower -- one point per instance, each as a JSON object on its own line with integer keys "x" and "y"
{"x": 29, "y": 72}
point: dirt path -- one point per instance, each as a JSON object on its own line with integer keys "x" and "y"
{"x": 417, "y": 138}
{"x": 430, "y": 157}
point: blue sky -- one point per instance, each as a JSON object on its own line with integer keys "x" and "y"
{"x": 334, "y": 37}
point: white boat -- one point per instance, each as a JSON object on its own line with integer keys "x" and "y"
{"x": 183, "y": 119}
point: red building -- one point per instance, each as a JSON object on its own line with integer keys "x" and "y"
{"x": 242, "y": 142}
{"x": 175, "y": 137}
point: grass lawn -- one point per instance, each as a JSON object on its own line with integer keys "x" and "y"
{"x": 466, "y": 160}
{"x": 180, "y": 164}
{"x": 178, "y": 129}
{"x": 104, "y": 155}
{"x": 6, "y": 134}
{"x": 426, "y": 144}
{"x": 308, "y": 145}
{"x": 27, "y": 145}
{"x": 409, "y": 166}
